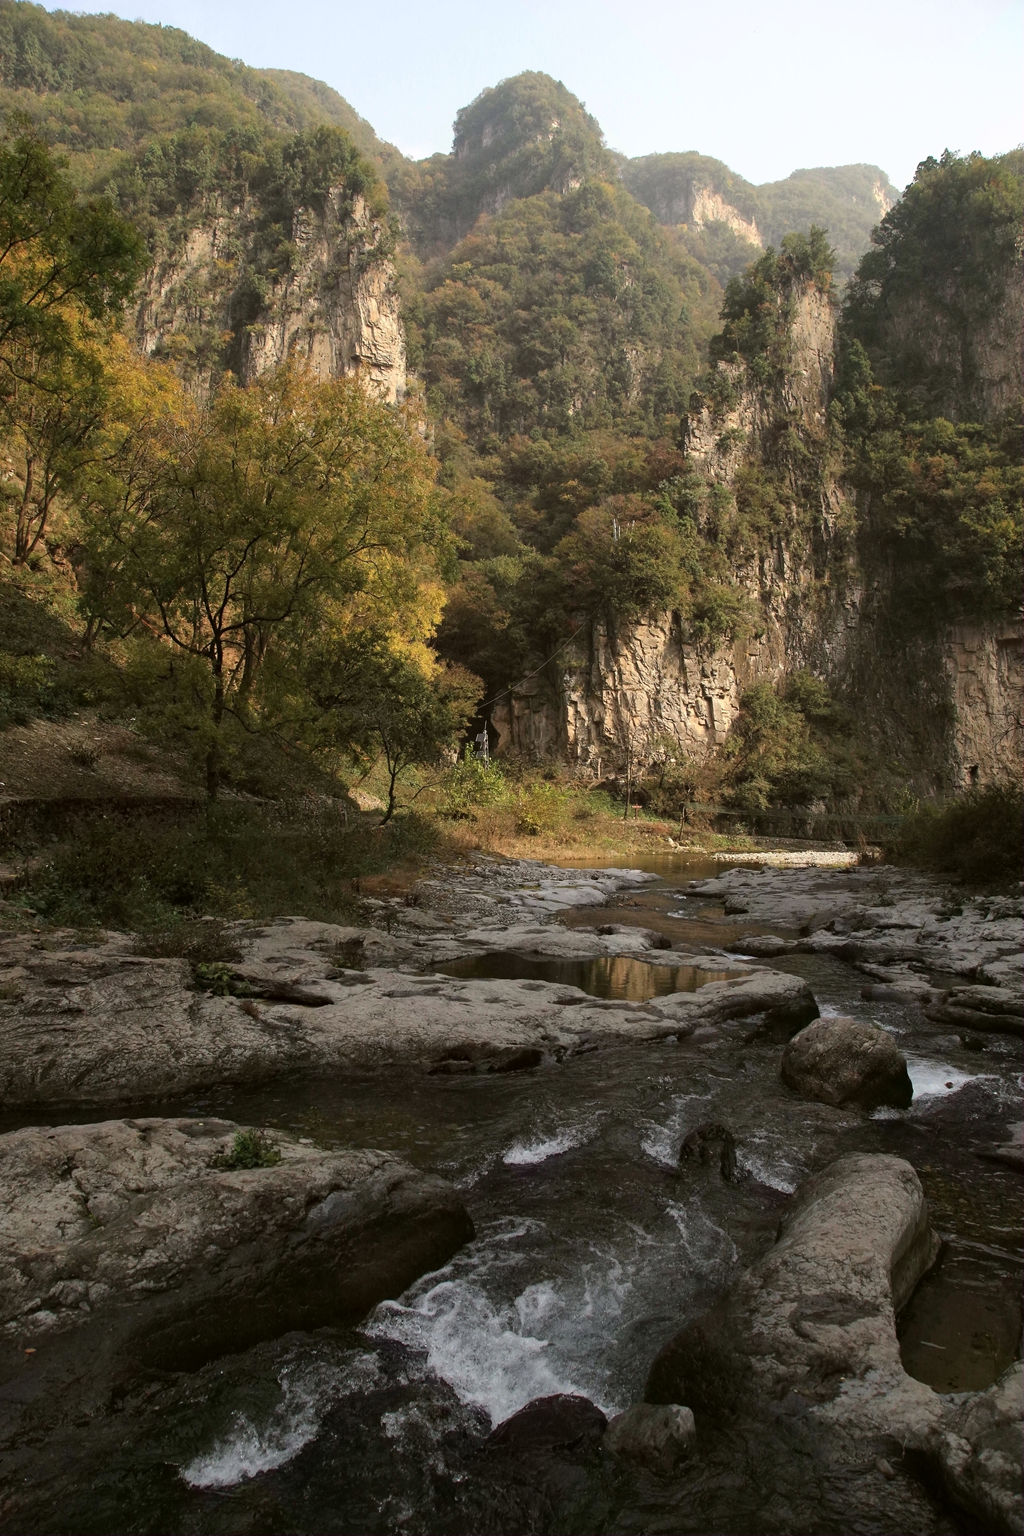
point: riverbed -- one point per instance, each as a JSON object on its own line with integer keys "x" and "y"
{"x": 594, "y": 1245}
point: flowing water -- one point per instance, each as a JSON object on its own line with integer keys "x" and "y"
{"x": 593, "y": 1247}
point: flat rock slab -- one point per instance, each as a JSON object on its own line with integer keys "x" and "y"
{"x": 127, "y": 1245}
{"x": 885, "y": 917}
{"x": 99, "y": 1025}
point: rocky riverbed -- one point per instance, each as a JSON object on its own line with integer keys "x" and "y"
{"x": 130, "y": 1246}
{"x": 98, "y": 1022}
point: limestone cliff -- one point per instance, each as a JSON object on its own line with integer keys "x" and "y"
{"x": 985, "y": 671}
{"x": 694, "y": 190}
{"x": 214, "y": 300}
{"x": 944, "y": 701}
{"x": 709, "y": 207}
{"x": 642, "y": 689}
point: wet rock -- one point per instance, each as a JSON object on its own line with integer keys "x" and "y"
{"x": 987, "y": 1009}
{"x": 882, "y": 916}
{"x": 845, "y": 1061}
{"x": 656, "y": 1436}
{"x": 1010, "y": 1155}
{"x": 563, "y": 1421}
{"x": 764, "y": 946}
{"x": 981, "y": 1453}
{"x": 128, "y": 1245}
{"x": 976, "y": 1102}
{"x": 711, "y": 1143}
{"x": 649, "y": 936}
{"x": 784, "y": 1003}
{"x": 815, "y": 1318}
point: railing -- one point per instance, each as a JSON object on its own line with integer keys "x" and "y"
{"x": 850, "y": 826}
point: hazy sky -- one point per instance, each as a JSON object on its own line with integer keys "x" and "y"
{"x": 766, "y": 87}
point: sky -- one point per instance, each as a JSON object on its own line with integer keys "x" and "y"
{"x": 767, "y": 87}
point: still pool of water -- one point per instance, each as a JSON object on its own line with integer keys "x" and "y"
{"x": 620, "y": 977}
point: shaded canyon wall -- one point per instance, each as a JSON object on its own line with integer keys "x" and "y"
{"x": 947, "y": 703}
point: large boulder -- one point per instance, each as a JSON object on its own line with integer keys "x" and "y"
{"x": 846, "y": 1061}
{"x": 131, "y": 1245}
{"x": 813, "y": 1323}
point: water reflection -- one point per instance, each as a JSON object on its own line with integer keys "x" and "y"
{"x": 618, "y": 977}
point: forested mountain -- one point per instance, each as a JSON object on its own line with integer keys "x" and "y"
{"x": 99, "y": 87}
{"x": 721, "y": 217}
{"x": 626, "y": 405}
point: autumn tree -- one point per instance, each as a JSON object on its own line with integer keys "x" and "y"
{"x": 66, "y": 268}
{"x": 244, "y": 532}
{"x": 386, "y": 701}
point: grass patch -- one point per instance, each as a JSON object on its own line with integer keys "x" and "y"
{"x": 494, "y": 808}
{"x": 979, "y": 836}
{"x": 156, "y": 873}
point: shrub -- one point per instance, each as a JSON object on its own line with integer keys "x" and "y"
{"x": 978, "y": 836}
{"x": 250, "y": 1149}
{"x": 156, "y": 872}
{"x": 469, "y": 784}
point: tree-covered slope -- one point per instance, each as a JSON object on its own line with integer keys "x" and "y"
{"x": 526, "y": 135}
{"x": 564, "y": 312}
{"x": 847, "y": 201}
{"x": 931, "y": 388}
{"x": 100, "y": 87}
{"x": 724, "y": 215}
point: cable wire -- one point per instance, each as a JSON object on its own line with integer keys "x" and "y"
{"x": 513, "y": 686}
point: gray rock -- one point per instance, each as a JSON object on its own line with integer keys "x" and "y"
{"x": 814, "y": 1321}
{"x": 98, "y": 1025}
{"x": 764, "y": 946}
{"x": 882, "y": 916}
{"x": 127, "y": 1245}
{"x": 785, "y": 1003}
{"x": 989, "y": 1010}
{"x": 657, "y": 1436}
{"x": 846, "y": 1061}
{"x": 981, "y": 1453}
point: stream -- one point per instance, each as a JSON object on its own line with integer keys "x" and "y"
{"x": 593, "y": 1247}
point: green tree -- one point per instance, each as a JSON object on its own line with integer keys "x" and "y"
{"x": 241, "y": 533}
{"x": 66, "y": 268}
{"x": 58, "y": 254}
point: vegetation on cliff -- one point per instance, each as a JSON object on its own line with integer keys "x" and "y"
{"x": 845, "y": 200}
{"x": 273, "y": 565}
{"x": 938, "y": 465}
{"x": 238, "y": 560}
{"x": 101, "y": 87}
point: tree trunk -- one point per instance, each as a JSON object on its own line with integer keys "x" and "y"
{"x": 214, "y": 754}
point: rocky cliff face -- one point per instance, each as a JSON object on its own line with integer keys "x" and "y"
{"x": 643, "y": 689}
{"x": 980, "y": 357}
{"x": 985, "y": 674}
{"x": 948, "y": 703}
{"x": 212, "y": 301}
{"x": 681, "y": 193}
